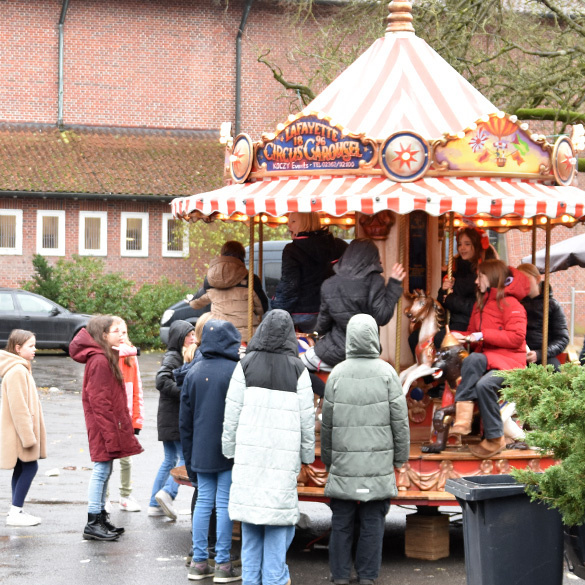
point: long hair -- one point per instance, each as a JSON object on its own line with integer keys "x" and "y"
{"x": 17, "y": 337}
{"x": 497, "y": 272}
{"x": 99, "y": 326}
{"x": 479, "y": 253}
{"x": 199, "y": 328}
{"x": 308, "y": 222}
{"x": 530, "y": 270}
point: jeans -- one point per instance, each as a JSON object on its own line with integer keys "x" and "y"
{"x": 479, "y": 384}
{"x": 264, "y": 554}
{"x": 212, "y": 489}
{"x": 22, "y": 476}
{"x": 98, "y": 486}
{"x": 368, "y": 555}
{"x": 164, "y": 480}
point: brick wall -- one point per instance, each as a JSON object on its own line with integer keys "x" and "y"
{"x": 16, "y": 269}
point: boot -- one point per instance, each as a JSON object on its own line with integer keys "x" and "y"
{"x": 106, "y": 522}
{"x": 463, "y": 416}
{"x": 95, "y": 530}
{"x": 488, "y": 448}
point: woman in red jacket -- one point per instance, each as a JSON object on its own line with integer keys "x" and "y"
{"x": 109, "y": 426}
{"x": 498, "y": 325}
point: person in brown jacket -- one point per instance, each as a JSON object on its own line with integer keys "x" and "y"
{"x": 109, "y": 427}
{"x": 226, "y": 288}
{"x": 22, "y": 427}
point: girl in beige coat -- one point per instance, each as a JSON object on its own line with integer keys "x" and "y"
{"x": 22, "y": 428}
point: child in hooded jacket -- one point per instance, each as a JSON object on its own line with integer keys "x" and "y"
{"x": 201, "y": 422}
{"x": 109, "y": 426}
{"x": 22, "y": 427}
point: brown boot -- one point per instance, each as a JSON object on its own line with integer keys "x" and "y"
{"x": 488, "y": 447}
{"x": 463, "y": 416}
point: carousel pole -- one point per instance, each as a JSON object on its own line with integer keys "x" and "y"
{"x": 251, "y": 280}
{"x": 402, "y": 260}
{"x": 544, "y": 348}
{"x": 260, "y": 246}
{"x": 534, "y": 240}
{"x": 451, "y": 243}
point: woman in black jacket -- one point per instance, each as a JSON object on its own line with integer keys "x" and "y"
{"x": 558, "y": 332}
{"x": 306, "y": 262}
{"x": 357, "y": 287}
{"x": 164, "y": 490}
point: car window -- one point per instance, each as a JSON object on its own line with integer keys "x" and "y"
{"x": 271, "y": 277}
{"x": 32, "y": 304}
{"x": 6, "y": 302}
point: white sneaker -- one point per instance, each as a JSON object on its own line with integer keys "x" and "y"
{"x": 129, "y": 504}
{"x": 108, "y": 507}
{"x": 166, "y": 503}
{"x": 155, "y": 511}
{"x": 22, "y": 519}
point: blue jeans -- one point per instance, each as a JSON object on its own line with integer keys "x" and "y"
{"x": 264, "y": 554}
{"x": 98, "y": 486}
{"x": 164, "y": 480}
{"x": 213, "y": 489}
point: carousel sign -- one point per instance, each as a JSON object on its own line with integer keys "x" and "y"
{"x": 310, "y": 143}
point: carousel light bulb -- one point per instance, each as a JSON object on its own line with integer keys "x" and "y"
{"x": 220, "y": 216}
{"x": 473, "y": 126}
{"x": 271, "y": 136}
{"x": 501, "y": 114}
{"x": 283, "y": 219}
{"x": 291, "y": 118}
{"x": 480, "y": 222}
{"x": 344, "y": 131}
{"x": 525, "y": 221}
{"x": 332, "y": 123}
{"x": 263, "y": 218}
{"x": 306, "y": 112}
{"x": 327, "y": 220}
{"x": 524, "y": 126}
{"x": 566, "y": 218}
{"x": 348, "y": 220}
{"x": 244, "y": 217}
{"x": 320, "y": 115}
{"x": 503, "y": 221}
{"x": 457, "y": 223}
{"x": 513, "y": 118}
{"x": 484, "y": 119}
{"x": 460, "y": 134}
{"x": 543, "y": 220}
{"x": 280, "y": 127}
{"x": 233, "y": 158}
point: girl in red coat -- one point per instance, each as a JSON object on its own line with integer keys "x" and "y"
{"x": 109, "y": 426}
{"x": 498, "y": 325}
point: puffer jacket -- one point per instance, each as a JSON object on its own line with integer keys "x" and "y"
{"x": 460, "y": 301}
{"x": 306, "y": 262}
{"x": 22, "y": 426}
{"x": 169, "y": 401}
{"x": 227, "y": 278}
{"x": 269, "y": 425}
{"x": 503, "y": 325}
{"x": 558, "y": 332}
{"x": 109, "y": 426}
{"x": 364, "y": 432}
{"x": 358, "y": 287}
{"x": 203, "y": 399}
{"x": 133, "y": 384}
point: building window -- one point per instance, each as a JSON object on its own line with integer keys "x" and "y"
{"x": 175, "y": 237}
{"x": 134, "y": 234}
{"x": 11, "y": 231}
{"x": 93, "y": 233}
{"x": 51, "y": 233}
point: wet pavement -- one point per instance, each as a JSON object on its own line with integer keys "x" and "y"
{"x": 152, "y": 550}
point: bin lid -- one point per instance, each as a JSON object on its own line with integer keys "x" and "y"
{"x": 484, "y": 487}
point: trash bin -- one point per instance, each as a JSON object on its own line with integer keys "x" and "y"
{"x": 508, "y": 539}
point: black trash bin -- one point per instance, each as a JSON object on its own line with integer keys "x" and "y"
{"x": 508, "y": 539}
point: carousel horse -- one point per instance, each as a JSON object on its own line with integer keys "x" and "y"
{"x": 427, "y": 312}
{"x": 447, "y": 364}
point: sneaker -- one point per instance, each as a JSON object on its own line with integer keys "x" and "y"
{"x": 108, "y": 507}
{"x": 166, "y": 503}
{"x": 155, "y": 511}
{"x": 199, "y": 571}
{"x": 129, "y": 504}
{"x": 226, "y": 573}
{"x": 22, "y": 519}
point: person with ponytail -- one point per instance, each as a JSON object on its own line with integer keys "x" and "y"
{"x": 110, "y": 431}
{"x": 497, "y": 328}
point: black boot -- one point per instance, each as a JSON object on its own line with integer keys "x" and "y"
{"x": 106, "y": 522}
{"x": 95, "y": 530}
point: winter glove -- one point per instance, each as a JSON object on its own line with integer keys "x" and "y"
{"x": 136, "y": 431}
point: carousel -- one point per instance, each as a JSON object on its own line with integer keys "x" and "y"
{"x": 403, "y": 149}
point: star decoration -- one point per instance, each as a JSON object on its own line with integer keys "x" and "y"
{"x": 406, "y": 156}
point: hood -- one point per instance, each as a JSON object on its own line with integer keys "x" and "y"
{"x": 226, "y": 272}
{"x": 361, "y": 338}
{"x": 177, "y": 333}
{"x": 360, "y": 259}
{"x": 276, "y": 334}
{"x": 9, "y": 360}
{"x": 519, "y": 285}
{"x": 83, "y": 346}
{"x": 220, "y": 339}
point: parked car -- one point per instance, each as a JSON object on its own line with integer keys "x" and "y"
{"x": 271, "y": 262}
{"x": 53, "y": 325}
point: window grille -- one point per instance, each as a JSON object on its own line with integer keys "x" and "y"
{"x": 7, "y": 231}
{"x": 50, "y": 232}
{"x": 174, "y": 236}
{"x": 133, "y": 234}
{"x": 93, "y": 233}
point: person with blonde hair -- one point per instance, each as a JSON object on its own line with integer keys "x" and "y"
{"x": 558, "y": 332}
{"x": 22, "y": 428}
{"x": 497, "y": 327}
{"x": 306, "y": 263}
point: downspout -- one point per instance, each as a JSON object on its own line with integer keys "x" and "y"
{"x": 247, "y": 8}
{"x": 60, "y": 73}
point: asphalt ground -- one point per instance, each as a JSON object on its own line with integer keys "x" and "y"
{"x": 153, "y": 549}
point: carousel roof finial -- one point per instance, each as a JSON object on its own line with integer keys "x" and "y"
{"x": 400, "y": 17}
